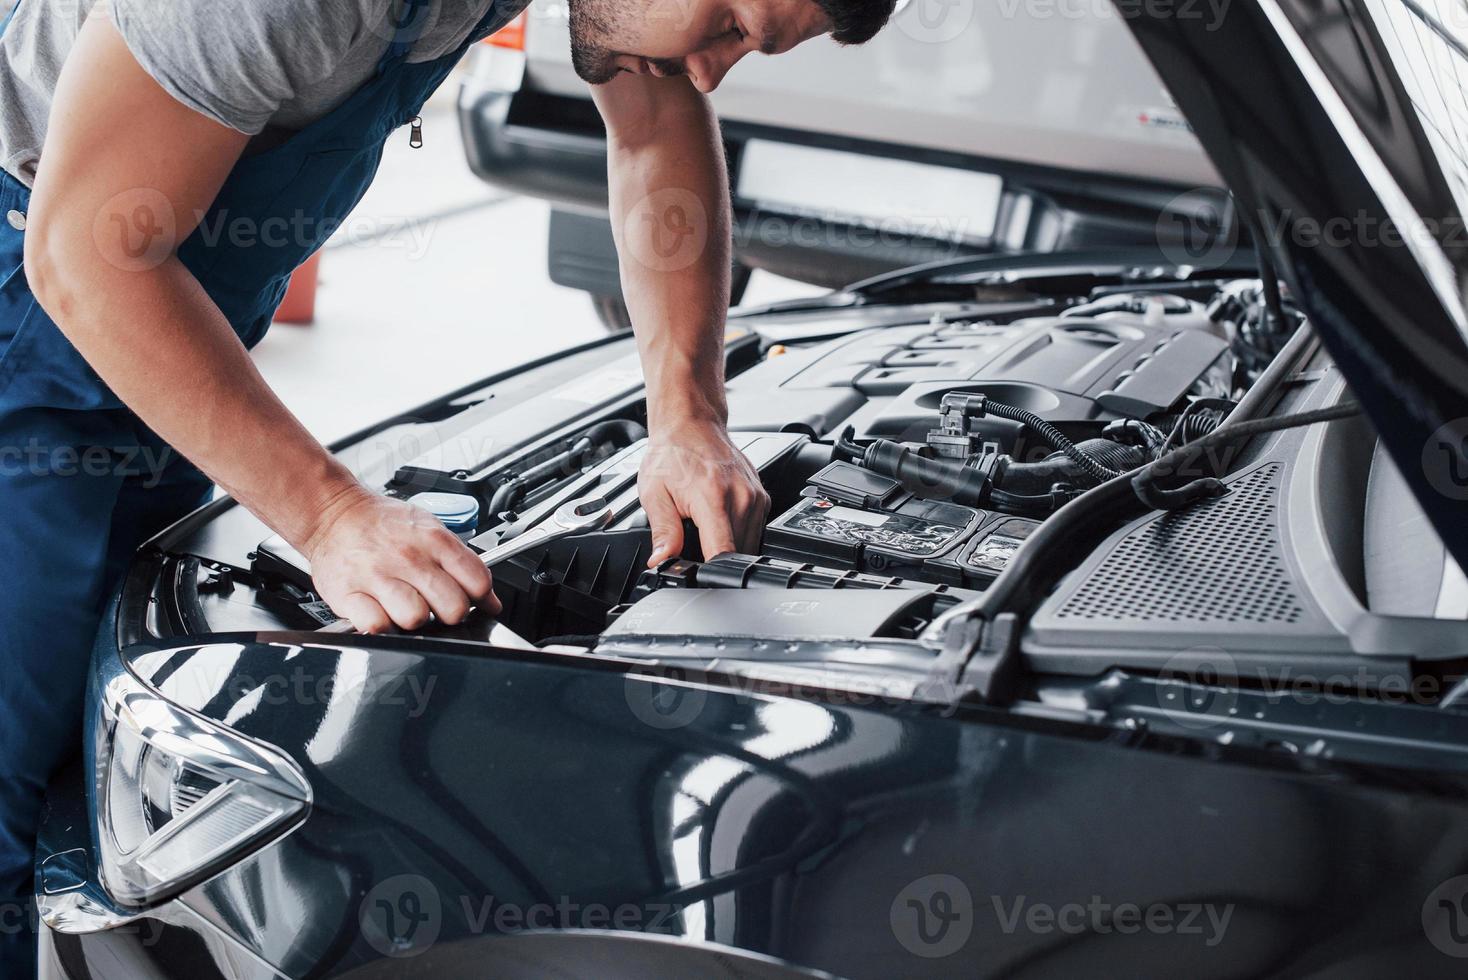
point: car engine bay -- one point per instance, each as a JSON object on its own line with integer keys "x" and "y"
{"x": 909, "y": 450}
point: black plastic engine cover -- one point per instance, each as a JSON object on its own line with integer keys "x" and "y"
{"x": 1077, "y": 372}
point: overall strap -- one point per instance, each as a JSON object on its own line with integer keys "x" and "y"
{"x": 408, "y": 28}
{"x": 5, "y": 21}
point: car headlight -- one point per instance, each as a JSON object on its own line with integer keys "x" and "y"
{"x": 180, "y": 798}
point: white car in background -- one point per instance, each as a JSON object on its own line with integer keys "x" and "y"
{"x": 962, "y": 128}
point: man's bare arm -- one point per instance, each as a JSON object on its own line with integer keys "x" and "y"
{"x": 670, "y": 216}
{"x": 118, "y": 143}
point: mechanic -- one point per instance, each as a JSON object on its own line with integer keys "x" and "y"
{"x": 131, "y": 131}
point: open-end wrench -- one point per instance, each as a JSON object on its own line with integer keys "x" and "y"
{"x": 573, "y": 517}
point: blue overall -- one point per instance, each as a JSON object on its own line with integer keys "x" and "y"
{"x": 83, "y": 482}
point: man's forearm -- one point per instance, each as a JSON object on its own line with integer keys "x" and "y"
{"x": 166, "y": 350}
{"x": 671, "y": 217}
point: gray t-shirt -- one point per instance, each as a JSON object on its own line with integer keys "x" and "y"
{"x": 266, "y": 68}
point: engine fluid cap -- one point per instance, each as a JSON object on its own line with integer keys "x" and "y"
{"x": 459, "y": 512}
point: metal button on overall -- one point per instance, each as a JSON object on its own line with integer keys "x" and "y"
{"x": 16, "y": 219}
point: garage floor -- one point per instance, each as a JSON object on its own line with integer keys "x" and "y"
{"x": 435, "y": 281}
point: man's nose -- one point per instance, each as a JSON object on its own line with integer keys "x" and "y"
{"x": 707, "y": 70}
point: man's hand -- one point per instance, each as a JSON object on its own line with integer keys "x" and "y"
{"x": 671, "y": 219}
{"x": 696, "y": 472}
{"x": 379, "y": 562}
{"x": 120, "y": 149}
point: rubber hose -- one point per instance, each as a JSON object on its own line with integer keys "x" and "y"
{"x": 1098, "y": 472}
{"x": 1037, "y": 478}
{"x": 942, "y": 479}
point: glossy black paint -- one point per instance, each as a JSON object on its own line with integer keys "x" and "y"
{"x": 452, "y": 782}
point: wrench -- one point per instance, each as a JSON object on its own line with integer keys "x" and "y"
{"x": 573, "y": 517}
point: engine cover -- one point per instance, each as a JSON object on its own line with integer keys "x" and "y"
{"x": 888, "y": 383}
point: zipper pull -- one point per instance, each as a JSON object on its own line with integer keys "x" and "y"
{"x": 415, "y": 134}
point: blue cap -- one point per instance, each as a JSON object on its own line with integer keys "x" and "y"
{"x": 458, "y": 511}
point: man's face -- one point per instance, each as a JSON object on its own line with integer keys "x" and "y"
{"x": 699, "y": 38}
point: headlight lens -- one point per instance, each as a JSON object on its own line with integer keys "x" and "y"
{"x": 181, "y": 797}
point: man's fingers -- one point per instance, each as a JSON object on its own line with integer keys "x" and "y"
{"x": 408, "y": 609}
{"x": 751, "y": 523}
{"x": 472, "y": 575}
{"x": 445, "y": 596}
{"x": 666, "y": 524}
{"x": 364, "y": 612}
{"x": 715, "y": 531}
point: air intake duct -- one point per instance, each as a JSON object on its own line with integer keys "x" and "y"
{"x": 932, "y": 479}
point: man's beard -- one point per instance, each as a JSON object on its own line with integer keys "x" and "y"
{"x": 596, "y": 64}
{"x": 591, "y": 20}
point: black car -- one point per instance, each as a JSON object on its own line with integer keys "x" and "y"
{"x": 1110, "y": 621}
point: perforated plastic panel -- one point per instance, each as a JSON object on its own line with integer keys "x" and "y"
{"x": 1218, "y": 562}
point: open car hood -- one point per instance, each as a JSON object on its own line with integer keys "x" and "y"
{"x": 1341, "y": 127}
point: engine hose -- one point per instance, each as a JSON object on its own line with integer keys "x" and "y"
{"x": 1038, "y": 478}
{"x": 847, "y": 448}
{"x": 1145, "y": 481}
{"x": 943, "y": 479}
{"x": 603, "y": 437}
{"x": 1197, "y": 420}
{"x": 1097, "y": 471}
{"x": 1199, "y": 424}
{"x": 1029, "y": 505}
{"x": 508, "y": 496}
{"x": 1114, "y": 455}
{"x": 1135, "y": 432}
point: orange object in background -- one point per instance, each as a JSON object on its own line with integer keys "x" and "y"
{"x": 299, "y": 304}
{"x": 511, "y": 36}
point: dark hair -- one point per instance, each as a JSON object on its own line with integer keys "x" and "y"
{"x": 856, "y": 21}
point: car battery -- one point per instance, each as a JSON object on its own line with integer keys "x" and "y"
{"x": 849, "y": 517}
{"x": 985, "y": 554}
